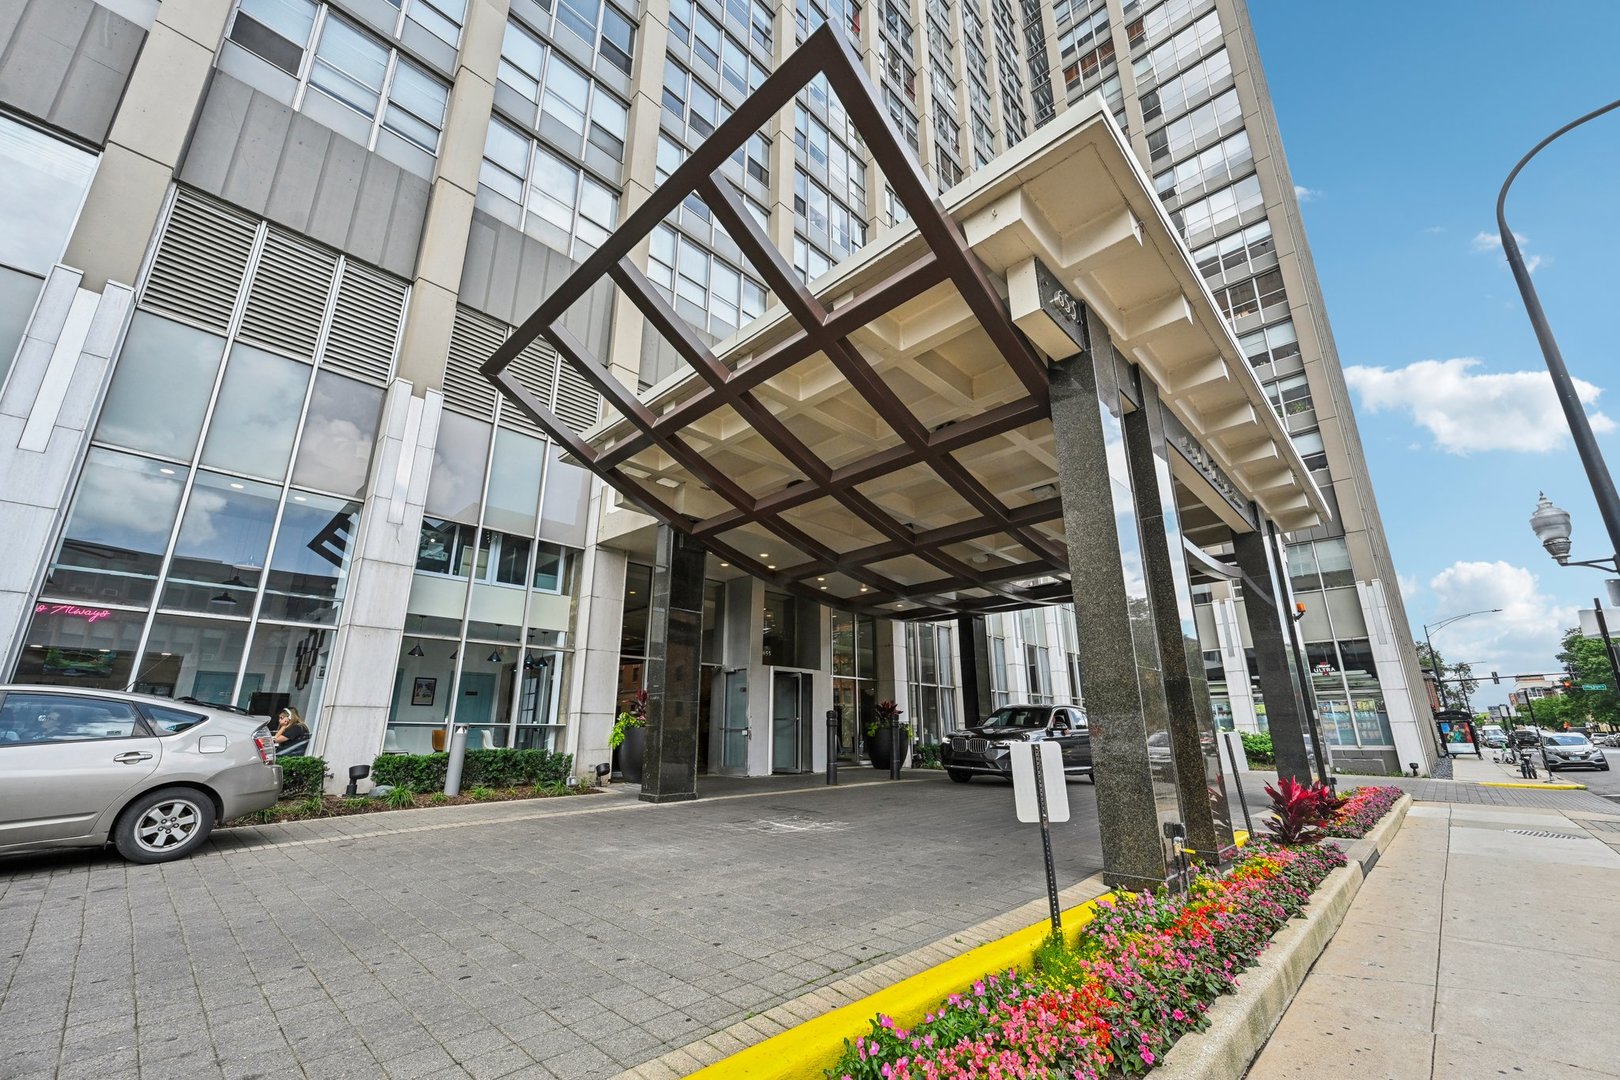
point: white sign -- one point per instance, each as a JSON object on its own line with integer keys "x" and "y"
{"x": 1023, "y": 774}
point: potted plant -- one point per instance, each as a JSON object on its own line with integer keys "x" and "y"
{"x": 628, "y": 740}
{"x": 886, "y": 735}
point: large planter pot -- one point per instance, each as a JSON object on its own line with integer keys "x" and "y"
{"x": 881, "y": 746}
{"x": 628, "y": 757}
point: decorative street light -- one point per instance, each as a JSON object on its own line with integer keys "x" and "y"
{"x": 1551, "y": 526}
{"x": 1434, "y": 661}
{"x": 1556, "y": 524}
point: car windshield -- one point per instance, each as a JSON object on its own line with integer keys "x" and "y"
{"x": 1025, "y": 719}
{"x": 1566, "y": 740}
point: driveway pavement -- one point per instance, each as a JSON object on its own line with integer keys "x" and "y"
{"x": 567, "y": 938}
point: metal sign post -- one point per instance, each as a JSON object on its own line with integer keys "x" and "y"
{"x": 1040, "y": 794}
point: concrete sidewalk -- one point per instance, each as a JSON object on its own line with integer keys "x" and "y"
{"x": 1482, "y": 944}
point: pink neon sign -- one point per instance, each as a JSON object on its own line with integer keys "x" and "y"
{"x": 73, "y": 611}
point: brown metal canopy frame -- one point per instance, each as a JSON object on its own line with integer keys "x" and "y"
{"x": 818, "y": 331}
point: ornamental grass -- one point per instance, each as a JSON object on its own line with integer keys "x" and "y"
{"x": 1112, "y": 1002}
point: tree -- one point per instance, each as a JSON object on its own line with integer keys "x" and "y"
{"x": 1456, "y": 680}
{"x": 1587, "y": 663}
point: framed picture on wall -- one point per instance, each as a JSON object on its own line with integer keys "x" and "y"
{"x": 422, "y": 691}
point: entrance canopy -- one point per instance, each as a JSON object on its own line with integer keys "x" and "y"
{"x": 881, "y": 438}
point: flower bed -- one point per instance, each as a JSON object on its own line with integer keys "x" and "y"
{"x": 1112, "y": 1002}
{"x": 1360, "y": 810}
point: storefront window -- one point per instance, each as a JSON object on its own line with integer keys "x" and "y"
{"x": 309, "y": 568}
{"x": 930, "y": 647}
{"x": 193, "y": 657}
{"x": 78, "y": 645}
{"x": 286, "y": 667}
{"x": 854, "y": 651}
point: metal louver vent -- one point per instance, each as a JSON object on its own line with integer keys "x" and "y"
{"x": 536, "y": 369}
{"x": 288, "y": 297}
{"x": 577, "y": 401}
{"x": 197, "y": 272}
{"x": 472, "y": 339}
{"x": 365, "y": 324}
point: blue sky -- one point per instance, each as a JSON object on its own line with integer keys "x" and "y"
{"x": 1402, "y": 120}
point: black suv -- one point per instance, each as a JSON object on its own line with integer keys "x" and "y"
{"x": 982, "y": 750}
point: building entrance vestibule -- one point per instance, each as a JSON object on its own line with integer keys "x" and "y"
{"x": 791, "y": 708}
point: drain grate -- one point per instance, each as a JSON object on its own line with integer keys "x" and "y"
{"x": 1546, "y": 835}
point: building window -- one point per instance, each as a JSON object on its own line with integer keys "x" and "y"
{"x": 333, "y": 56}
{"x": 1271, "y": 345}
{"x": 1175, "y": 96}
{"x": 1239, "y": 254}
{"x": 1196, "y": 129}
{"x": 1215, "y": 165}
{"x": 1175, "y": 53}
{"x": 1309, "y": 445}
{"x": 562, "y": 92}
{"x": 854, "y": 669}
{"x": 565, "y": 206}
{"x": 602, "y": 27}
{"x": 1220, "y": 210}
{"x": 930, "y": 651}
{"x": 707, "y": 291}
{"x": 1262, "y": 295}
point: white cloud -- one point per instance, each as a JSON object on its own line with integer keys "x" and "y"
{"x": 1409, "y": 585}
{"x": 1434, "y": 230}
{"x": 1522, "y": 639}
{"x": 1466, "y": 410}
{"x": 1305, "y": 194}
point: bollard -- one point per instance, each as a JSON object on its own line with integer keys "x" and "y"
{"x": 458, "y": 753}
{"x": 832, "y": 746}
{"x": 896, "y": 751}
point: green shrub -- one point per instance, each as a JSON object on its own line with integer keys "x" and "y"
{"x": 401, "y": 797}
{"x": 925, "y": 756}
{"x": 310, "y": 806}
{"x": 357, "y": 803}
{"x": 438, "y": 798}
{"x": 301, "y": 776}
{"x": 489, "y": 768}
{"x": 1257, "y": 745}
{"x": 480, "y": 793}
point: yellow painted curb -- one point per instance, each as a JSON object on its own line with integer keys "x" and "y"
{"x": 810, "y": 1048}
{"x": 1533, "y": 787}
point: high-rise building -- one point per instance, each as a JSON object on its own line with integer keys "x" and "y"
{"x": 252, "y": 253}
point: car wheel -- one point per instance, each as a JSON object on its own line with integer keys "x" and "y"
{"x": 165, "y": 824}
{"x": 961, "y": 776}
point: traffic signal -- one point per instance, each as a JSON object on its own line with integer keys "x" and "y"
{"x": 1567, "y": 683}
{"x": 1495, "y": 678}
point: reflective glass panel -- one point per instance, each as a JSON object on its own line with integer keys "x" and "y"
{"x": 514, "y": 483}
{"x": 349, "y": 66}
{"x": 457, "y": 483}
{"x": 566, "y": 505}
{"x": 637, "y": 608}
{"x": 219, "y": 554}
{"x": 42, "y": 184}
{"x": 187, "y": 656}
{"x": 17, "y": 295}
{"x": 309, "y": 567}
{"x": 122, "y": 515}
{"x": 160, "y": 390}
{"x": 257, "y": 414}
{"x": 339, "y": 434}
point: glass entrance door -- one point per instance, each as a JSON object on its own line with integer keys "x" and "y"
{"x": 734, "y": 725}
{"x": 790, "y": 716}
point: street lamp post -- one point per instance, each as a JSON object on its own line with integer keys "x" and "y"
{"x": 1597, "y": 471}
{"x": 1434, "y": 660}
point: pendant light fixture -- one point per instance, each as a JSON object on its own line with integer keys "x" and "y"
{"x": 416, "y": 651}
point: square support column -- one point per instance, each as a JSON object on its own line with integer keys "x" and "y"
{"x": 1264, "y": 599}
{"x": 1193, "y": 740}
{"x": 674, "y": 646}
{"x": 1119, "y": 650}
{"x": 973, "y": 647}
{"x": 1311, "y": 719}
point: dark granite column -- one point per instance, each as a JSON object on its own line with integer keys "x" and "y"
{"x": 1318, "y": 747}
{"x": 1264, "y": 604}
{"x": 973, "y": 647}
{"x": 1121, "y": 677}
{"x": 1193, "y": 744}
{"x": 674, "y": 644}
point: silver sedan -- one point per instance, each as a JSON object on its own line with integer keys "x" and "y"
{"x": 81, "y": 768}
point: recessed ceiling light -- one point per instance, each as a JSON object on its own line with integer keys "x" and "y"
{"x": 764, "y": 554}
{"x": 771, "y": 566}
{"x": 725, "y": 564}
{"x": 824, "y": 588}
{"x": 863, "y": 588}
{"x": 821, "y": 579}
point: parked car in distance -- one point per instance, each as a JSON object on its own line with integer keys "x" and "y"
{"x": 81, "y": 768}
{"x": 982, "y": 750}
{"x": 1525, "y": 738}
{"x": 1569, "y": 750}
{"x": 1493, "y": 736}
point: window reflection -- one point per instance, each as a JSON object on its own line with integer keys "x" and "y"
{"x": 339, "y": 433}
{"x": 17, "y": 295}
{"x": 219, "y": 554}
{"x": 286, "y": 666}
{"x": 256, "y": 418}
{"x": 42, "y": 185}
{"x": 160, "y": 390}
{"x": 122, "y": 515}
{"x": 514, "y": 483}
{"x": 78, "y": 645}
{"x": 457, "y": 482}
{"x": 309, "y": 568}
